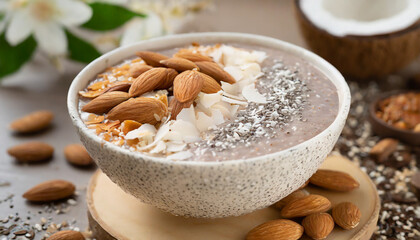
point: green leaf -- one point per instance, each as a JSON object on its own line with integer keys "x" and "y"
{"x": 108, "y": 16}
{"x": 80, "y": 50}
{"x": 13, "y": 57}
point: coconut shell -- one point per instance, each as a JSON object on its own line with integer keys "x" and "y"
{"x": 362, "y": 56}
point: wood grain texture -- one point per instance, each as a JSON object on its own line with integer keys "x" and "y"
{"x": 113, "y": 214}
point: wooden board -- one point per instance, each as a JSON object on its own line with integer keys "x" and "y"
{"x": 114, "y": 214}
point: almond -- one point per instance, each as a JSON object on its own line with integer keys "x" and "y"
{"x": 192, "y": 56}
{"x": 77, "y": 154}
{"x": 291, "y": 197}
{"x": 179, "y": 64}
{"x": 177, "y": 106}
{"x": 141, "y": 109}
{"x": 147, "y": 81}
{"x": 210, "y": 85}
{"x": 169, "y": 79}
{"x": 334, "y": 180}
{"x": 187, "y": 86}
{"x": 129, "y": 125}
{"x": 304, "y": 185}
{"x": 305, "y": 206}
{"x": 152, "y": 58}
{"x": 137, "y": 68}
{"x": 318, "y": 225}
{"x": 50, "y": 191}
{"x": 67, "y": 235}
{"x": 346, "y": 215}
{"x": 122, "y": 87}
{"x": 32, "y": 122}
{"x": 215, "y": 71}
{"x": 280, "y": 229}
{"x": 105, "y": 102}
{"x": 31, "y": 152}
{"x": 383, "y": 149}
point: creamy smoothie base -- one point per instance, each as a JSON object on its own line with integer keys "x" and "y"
{"x": 286, "y": 101}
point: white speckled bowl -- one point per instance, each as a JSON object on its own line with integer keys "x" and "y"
{"x": 209, "y": 189}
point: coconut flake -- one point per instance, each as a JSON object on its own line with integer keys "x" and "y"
{"x": 204, "y": 122}
{"x": 175, "y": 147}
{"x": 180, "y": 155}
{"x": 144, "y": 131}
{"x": 208, "y": 100}
{"x": 252, "y": 95}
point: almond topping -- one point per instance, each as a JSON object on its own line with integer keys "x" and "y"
{"x": 105, "y": 102}
{"x": 346, "y": 215}
{"x": 280, "y": 229}
{"x": 215, "y": 71}
{"x": 169, "y": 79}
{"x": 152, "y": 58}
{"x": 50, "y": 191}
{"x": 187, "y": 86}
{"x": 193, "y": 57}
{"x": 177, "y": 106}
{"x": 305, "y": 206}
{"x": 122, "y": 87}
{"x": 210, "y": 85}
{"x": 137, "y": 68}
{"x": 179, "y": 64}
{"x": 32, "y": 122}
{"x": 148, "y": 81}
{"x": 31, "y": 152}
{"x": 318, "y": 225}
{"x": 334, "y": 180}
{"x": 141, "y": 109}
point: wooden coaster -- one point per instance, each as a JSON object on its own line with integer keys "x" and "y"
{"x": 114, "y": 214}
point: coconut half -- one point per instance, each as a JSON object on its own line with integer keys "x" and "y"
{"x": 362, "y": 38}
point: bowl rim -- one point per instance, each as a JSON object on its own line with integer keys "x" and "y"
{"x": 327, "y": 69}
{"x": 374, "y": 105}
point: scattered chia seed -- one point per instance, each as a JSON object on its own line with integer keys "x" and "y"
{"x": 286, "y": 95}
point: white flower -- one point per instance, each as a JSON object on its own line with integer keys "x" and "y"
{"x": 45, "y": 19}
{"x": 142, "y": 28}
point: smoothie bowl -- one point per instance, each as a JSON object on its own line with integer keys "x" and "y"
{"x": 209, "y": 124}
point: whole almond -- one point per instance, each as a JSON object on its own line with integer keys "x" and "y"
{"x": 77, "y": 154}
{"x": 346, "y": 215}
{"x": 122, "y": 87}
{"x": 152, "y": 58}
{"x": 31, "y": 152}
{"x": 32, "y": 122}
{"x": 291, "y": 197}
{"x": 169, "y": 79}
{"x": 187, "y": 86}
{"x": 105, "y": 102}
{"x": 215, "y": 71}
{"x": 210, "y": 85}
{"x": 334, "y": 180}
{"x": 50, "y": 191}
{"x": 383, "y": 149}
{"x": 305, "y": 206}
{"x": 66, "y": 235}
{"x": 177, "y": 106}
{"x": 147, "y": 81}
{"x": 318, "y": 225}
{"x": 141, "y": 109}
{"x": 193, "y": 57}
{"x": 179, "y": 64}
{"x": 137, "y": 68}
{"x": 280, "y": 229}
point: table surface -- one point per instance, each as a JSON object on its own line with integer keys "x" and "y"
{"x": 15, "y": 179}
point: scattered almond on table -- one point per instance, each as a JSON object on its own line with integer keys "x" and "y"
{"x": 383, "y": 149}
{"x": 33, "y": 122}
{"x": 77, "y": 154}
{"x": 31, "y": 152}
{"x": 316, "y": 223}
{"x": 50, "y": 191}
{"x": 66, "y": 235}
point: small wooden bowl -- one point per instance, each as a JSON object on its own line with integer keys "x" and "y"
{"x": 381, "y": 128}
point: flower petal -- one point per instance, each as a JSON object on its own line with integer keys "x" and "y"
{"x": 51, "y": 38}
{"x": 20, "y": 27}
{"x": 142, "y": 28}
{"x": 73, "y": 13}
